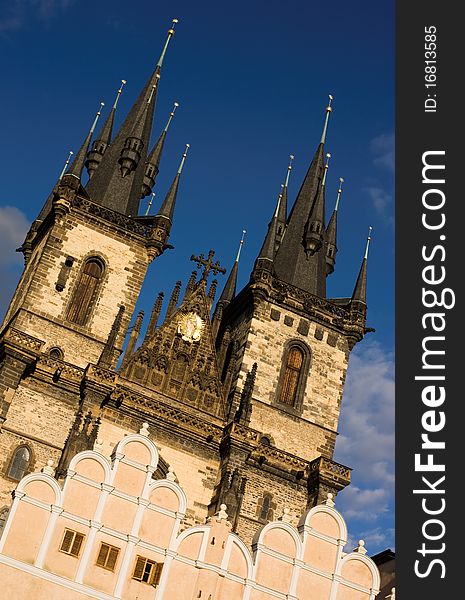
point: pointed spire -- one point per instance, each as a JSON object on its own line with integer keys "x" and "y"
{"x": 78, "y": 163}
{"x": 173, "y": 300}
{"x": 152, "y": 166}
{"x": 100, "y": 144}
{"x": 331, "y": 234}
{"x": 106, "y": 358}
{"x": 298, "y": 260}
{"x": 156, "y": 310}
{"x": 65, "y": 166}
{"x": 325, "y": 127}
{"x": 133, "y": 337}
{"x": 229, "y": 290}
{"x": 117, "y": 182}
{"x": 168, "y": 206}
{"x": 360, "y": 290}
{"x": 281, "y": 207}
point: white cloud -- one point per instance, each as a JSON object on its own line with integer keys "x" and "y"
{"x": 13, "y": 228}
{"x": 382, "y": 148}
{"x": 366, "y": 443}
{"x": 381, "y": 200}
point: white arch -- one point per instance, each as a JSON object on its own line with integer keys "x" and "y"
{"x": 235, "y": 540}
{"x": 172, "y": 485}
{"x": 304, "y": 521}
{"x": 367, "y": 561}
{"x": 50, "y": 481}
{"x": 258, "y": 537}
{"x": 142, "y": 439}
{"x": 93, "y": 455}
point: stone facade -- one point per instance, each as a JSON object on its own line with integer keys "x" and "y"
{"x": 114, "y": 504}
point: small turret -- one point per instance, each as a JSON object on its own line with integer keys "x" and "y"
{"x": 360, "y": 290}
{"x": 152, "y": 166}
{"x": 103, "y": 140}
{"x": 331, "y": 234}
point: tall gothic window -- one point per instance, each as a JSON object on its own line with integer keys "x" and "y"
{"x": 19, "y": 463}
{"x": 294, "y": 363}
{"x": 85, "y": 291}
{"x": 293, "y": 376}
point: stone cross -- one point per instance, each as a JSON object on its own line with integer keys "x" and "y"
{"x": 208, "y": 264}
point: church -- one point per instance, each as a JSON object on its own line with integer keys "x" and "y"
{"x": 232, "y": 399}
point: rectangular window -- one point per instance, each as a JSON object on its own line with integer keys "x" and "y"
{"x": 71, "y": 542}
{"x": 107, "y": 556}
{"x": 147, "y": 571}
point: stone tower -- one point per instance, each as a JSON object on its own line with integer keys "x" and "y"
{"x": 243, "y": 397}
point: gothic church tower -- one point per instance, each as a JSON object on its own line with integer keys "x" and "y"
{"x": 242, "y": 397}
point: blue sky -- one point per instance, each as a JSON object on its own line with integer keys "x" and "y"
{"x": 252, "y": 80}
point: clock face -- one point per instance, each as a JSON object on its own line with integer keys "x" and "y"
{"x": 190, "y": 327}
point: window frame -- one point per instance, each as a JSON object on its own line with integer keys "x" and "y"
{"x": 84, "y": 314}
{"x": 29, "y": 464}
{"x": 297, "y": 407}
{"x": 110, "y": 547}
{"x": 154, "y": 574}
{"x": 75, "y": 535}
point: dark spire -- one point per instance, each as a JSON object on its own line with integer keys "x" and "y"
{"x": 267, "y": 252}
{"x": 133, "y": 337}
{"x": 94, "y": 156}
{"x": 229, "y": 290}
{"x": 106, "y": 358}
{"x": 360, "y": 290}
{"x": 331, "y": 234}
{"x": 281, "y": 207}
{"x": 315, "y": 227}
{"x": 77, "y": 165}
{"x": 298, "y": 261}
{"x": 173, "y": 300}
{"x": 117, "y": 181}
{"x": 167, "y": 208}
{"x": 156, "y": 310}
{"x": 152, "y": 166}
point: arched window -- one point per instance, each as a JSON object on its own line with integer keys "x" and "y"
{"x": 19, "y": 463}
{"x": 293, "y": 376}
{"x": 85, "y": 291}
{"x": 295, "y": 361}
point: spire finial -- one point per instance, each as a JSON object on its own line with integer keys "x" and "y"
{"x": 370, "y": 229}
{"x": 154, "y": 87}
{"x": 328, "y": 112}
{"x": 183, "y": 159}
{"x": 119, "y": 92}
{"x": 339, "y": 192}
{"x": 170, "y": 35}
{"x": 99, "y": 112}
{"x": 175, "y": 106}
{"x": 241, "y": 243}
{"x": 328, "y": 156}
{"x": 149, "y": 205}
{"x": 289, "y": 169}
{"x": 65, "y": 166}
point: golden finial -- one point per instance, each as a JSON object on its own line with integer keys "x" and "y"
{"x": 175, "y": 106}
{"x": 149, "y": 206}
{"x": 368, "y": 242}
{"x": 328, "y": 112}
{"x": 170, "y": 35}
{"x": 289, "y": 169}
{"x": 339, "y": 192}
{"x": 241, "y": 243}
{"x": 119, "y": 92}
{"x": 328, "y": 156}
{"x": 183, "y": 159}
{"x": 63, "y": 171}
{"x": 99, "y": 112}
